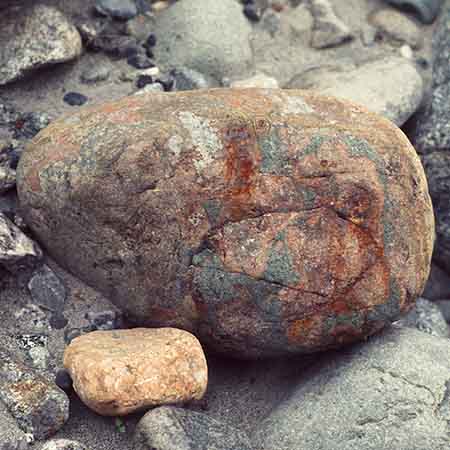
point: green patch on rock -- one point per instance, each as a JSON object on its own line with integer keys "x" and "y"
{"x": 280, "y": 267}
{"x": 313, "y": 147}
{"x": 275, "y": 158}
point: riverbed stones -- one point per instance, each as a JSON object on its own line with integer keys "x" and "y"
{"x": 33, "y": 37}
{"x": 391, "y": 87}
{"x": 209, "y": 37}
{"x": 391, "y": 392}
{"x": 267, "y": 222}
{"x": 122, "y": 371}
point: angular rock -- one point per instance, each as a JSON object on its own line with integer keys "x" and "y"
{"x": 63, "y": 444}
{"x": 259, "y": 80}
{"x": 426, "y": 10}
{"x": 426, "y": 317}
{"x": 391, "y": 392}
{"x": 328, "y": 29}
{"x": 391, "y": 87}
{"x": 47, "y": 290}
{"x": 33, "y": 37}
{"x": 398, "y": 27}
{"x": 170, "y": 428}
{"x": 17, "y": 251}
{"x": 438, "y": 284}
{"x": 118, "y": 372}
{"x": 120, "y": 9}
{"x": 211, "y": 211}
{"x": 210, "y": 37}
{"x": 39, "y": 407}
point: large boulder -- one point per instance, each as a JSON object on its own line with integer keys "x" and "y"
{"x": 265, "y": 221}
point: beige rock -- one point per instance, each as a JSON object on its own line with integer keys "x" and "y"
{"x": 118, "y": 372}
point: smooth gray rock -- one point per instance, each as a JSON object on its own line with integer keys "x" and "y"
{"x": 17, "y": 251}
{"x": 438, "y": 284}
{"x": 328, "y": 29}
{"x": 391, "y": 87}
{"x": 426, "y": 10}
{"x": 39, "y": 407}
{"x": 392, "y": 392}
{"x": 170, "y": 428}
{"x": 33, "y": 37}
{"x": 211, "y": 37}
{"x": 63, "y": 444}
{"x": 427, "y": 317}
{"x": 120, "y": 9}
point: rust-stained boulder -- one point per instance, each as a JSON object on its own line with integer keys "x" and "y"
{"x": 122, "y": 371}
{"x": 265, "y": 221}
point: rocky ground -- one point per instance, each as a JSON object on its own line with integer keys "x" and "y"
{"x": 58, "y": 57}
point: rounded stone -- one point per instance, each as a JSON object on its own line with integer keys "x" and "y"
{"x": 267, "y": 222}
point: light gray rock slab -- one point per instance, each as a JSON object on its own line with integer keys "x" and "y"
{"x": 390, "y": 392}
{"x": 391, "y": 87}
{"x": 33, "y": 37}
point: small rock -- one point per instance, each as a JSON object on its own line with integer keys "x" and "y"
{"x": 171, "y": 428}
{"x": 140, "y": 27}
{"x": 140, "y": 61}
{"x": 11, "y": 436}
{"x": 17, "y": 251}
{"x": 398, "y": 27}
{"x": 63, "y": 444}
{"x": 252, "y": 13}
{"x": 186, "y": 38}
{"x": 438, "y": 284}
{"x": 104, "y": 320}
{"x": 118, "y": 372}
{"x": 391, "y": 87}
{"x": 328, "y": 29}
{"x": 27, "y": 125}
{"x": 58, "y": 321}
{"x": 426, "y": 317}
{"x": 35, "y": 37}
{"x": 47, "y": 290}
{"x": 35, "y": 347}
{"x": 75, "y": 99}
{"x": 119, "y": 9}
{"x": 151, "y": 40}
{"x": 259, "y": 80}
{"x": 426, "y": 10}
{"x": 143, "y": 80}
{"x": 88, "y": 32}
{"x": 407, "y": 52}
{"x": 154, "y": 87}
{"x": 116, "y": 45}
{"x": 39, "y": 407}
{"x": 159, "y": 6}
{"x": 390, "y": 392}
{"x": 185, "y": 79}
{"x": 95, "y": 73}
{"x": 63, "y": 380}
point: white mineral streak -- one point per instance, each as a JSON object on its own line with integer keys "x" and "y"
{"x": 204, "y": 138}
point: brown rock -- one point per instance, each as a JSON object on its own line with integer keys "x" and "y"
{"x": 118, "y": 372}
{"x": 265, "y": 221}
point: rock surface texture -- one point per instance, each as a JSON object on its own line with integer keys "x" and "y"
{"x": 34, "y": 37}
{"x": 169, "y": 428}
{"x": 118, "y": 372}
{"x": 392, "y": 392}
{"x": 265, "y": 221}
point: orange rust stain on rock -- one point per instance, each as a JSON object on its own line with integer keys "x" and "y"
{"x": 304, "y": 330}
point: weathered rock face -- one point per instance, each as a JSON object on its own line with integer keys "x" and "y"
{"x": 265, "y": 221}
{"x": 122, "y": 371}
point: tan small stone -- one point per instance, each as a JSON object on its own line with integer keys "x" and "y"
{"x": 118, "y": 372}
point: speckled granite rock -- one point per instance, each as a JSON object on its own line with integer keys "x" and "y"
{"x": 39, "y": 407}
{"x": 390, "y": 392}
{"x": 265, "y": 221}
{"x": 169, "y": 428}
{"x": 34, "y": 37}
{"x": 118, "y": 372}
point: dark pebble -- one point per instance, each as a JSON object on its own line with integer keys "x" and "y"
{"x": 167, "y": 83}
{"x": 63, "y": 380}
{"x": 75, "y": 99}
{"x": 140, "y": 61}
{"x": 143, "y": 80}
{"x": 70, "y": 334}
{"x": 58, "y": 321}
{"x": 149, "y": 53}
{"x": 151, "y": 40}
{"x": 251, "y": 13}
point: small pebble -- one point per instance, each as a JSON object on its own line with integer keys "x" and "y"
{"x": 151, "y": 40}
{"x": 95, "y": 73}
{"x": 75, "y": 99}
{"x": 251, "y": 13}
{"x": 63, "y": 380}
{"x": 140, "y": 61}
{"x": 406, "y": 51}
{"x": 143, "y": 80}
{"x": 58, "y": 321}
